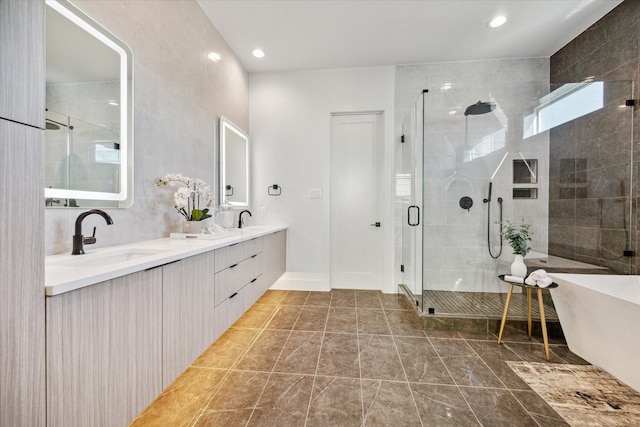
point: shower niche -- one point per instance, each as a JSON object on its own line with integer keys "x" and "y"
{"x": 525, "y": 171}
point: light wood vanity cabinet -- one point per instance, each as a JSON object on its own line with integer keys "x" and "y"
{"x": 188, "y": 321}
{"x": 114, "y": 346}
{"x": 104, "y": 351}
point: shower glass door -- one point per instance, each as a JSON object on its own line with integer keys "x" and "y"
{"x": 409, "y": 196}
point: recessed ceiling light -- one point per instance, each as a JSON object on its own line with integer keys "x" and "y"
{"x": 446, "y": 86}
{"x": 258, "y": 53}
{"x": 214, "y": 56}
{"x": 497, "y": 21}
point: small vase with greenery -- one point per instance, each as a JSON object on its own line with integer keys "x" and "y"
{"x": 518, "y": 238}
{"x": 192, "y": 198}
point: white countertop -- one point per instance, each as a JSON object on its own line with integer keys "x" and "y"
{"x": 61, "y": 273}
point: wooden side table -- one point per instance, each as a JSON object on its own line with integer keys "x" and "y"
{"x": 540, "y": 304}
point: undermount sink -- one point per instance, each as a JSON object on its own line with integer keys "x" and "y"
{"x": 103, "y": 260}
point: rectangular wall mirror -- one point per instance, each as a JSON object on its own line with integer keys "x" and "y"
{"x": 234, "y": 165}
{"x": 89, "y": 126}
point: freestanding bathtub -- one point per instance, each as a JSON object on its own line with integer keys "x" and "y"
{"x": 600, "y": 318}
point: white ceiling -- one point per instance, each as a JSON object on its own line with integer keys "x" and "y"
{"x": 315, "y": 34}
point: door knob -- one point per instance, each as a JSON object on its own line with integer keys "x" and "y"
{"x": 376, "y": 224}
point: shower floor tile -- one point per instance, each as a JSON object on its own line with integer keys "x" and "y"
{"x": 486, "y": 304}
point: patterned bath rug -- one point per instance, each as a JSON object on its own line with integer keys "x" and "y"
{"x": 583, "y": 395}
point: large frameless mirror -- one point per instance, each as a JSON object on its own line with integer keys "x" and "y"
{"x": 89, "y": 126}
{"x": 234, "y": 165}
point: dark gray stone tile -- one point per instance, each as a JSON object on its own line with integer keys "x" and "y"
{"x": 497, "y": 407}
{"x": 335, "y": 401}
{"x": 372, "y": 321}
{"x": 442, "y": 405}
{"x": 342, "y": 319}
{"x": 339, "y": 355}
{"x": 300, "y": 353}
{"x": 539, "y": 409}
{"x": 284, "y": 402}
{"x": 379, "y": 358}
{"x": 388, "y": 404}
{"x": 421, "y": 362}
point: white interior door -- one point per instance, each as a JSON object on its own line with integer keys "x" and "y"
{"x": 356, "y": 199}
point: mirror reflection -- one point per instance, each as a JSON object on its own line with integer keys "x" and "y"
{"x": 234, "y": 165}
{"x": 88, "y": 117}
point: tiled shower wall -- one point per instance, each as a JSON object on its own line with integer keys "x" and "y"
{"x": 591, "y": 184}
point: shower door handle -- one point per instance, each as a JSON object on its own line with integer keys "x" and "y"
{"x": 409, "y": 216}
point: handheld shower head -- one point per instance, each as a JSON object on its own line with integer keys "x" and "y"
{"x": 488, "y": 199}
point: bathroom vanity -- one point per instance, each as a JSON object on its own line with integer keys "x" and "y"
{"x": 124, "y": 322}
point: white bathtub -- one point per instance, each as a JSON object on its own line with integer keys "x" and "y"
{"x": 600, "y": 318}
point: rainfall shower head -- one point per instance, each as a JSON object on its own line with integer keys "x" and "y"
{"x": 479, "y": 108}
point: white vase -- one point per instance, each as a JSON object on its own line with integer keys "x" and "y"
{"x": 192, "y": 227}
{"x": 518, "y": 267}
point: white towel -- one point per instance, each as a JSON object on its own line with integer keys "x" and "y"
{"x": 529, "y": 281}
{"x": 544, "y": 282}
{"x": 513, "y": 279}
{"x": 538, "y": 275}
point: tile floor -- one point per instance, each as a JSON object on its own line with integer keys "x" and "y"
{"x": 353, "y": 358}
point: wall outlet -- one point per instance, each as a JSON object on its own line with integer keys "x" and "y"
{"x": 315, "y": 193}
{"x": 263, "y": 211}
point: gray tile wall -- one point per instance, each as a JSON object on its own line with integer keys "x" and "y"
{"x": 590, "y": 175}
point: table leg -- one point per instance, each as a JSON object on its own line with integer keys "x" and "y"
{"x": 529, "y": 310}
{"x": 543, "y": 324}
{"x": 504, "y": 315}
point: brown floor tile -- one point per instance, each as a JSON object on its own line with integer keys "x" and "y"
{"x": 300, "y": 353}
{"x": 256, "y": 317}
{"x": 343, "y": 298}
{"x": 182, "y": 400}
{"x": 538, "y": 409}
{"x": 392, "y": 301}
{"x": 533, "y": 352}
{"x": 388, "y": 404}
{"x": 339, "y": 355}
{"x": 379, "y": 358}
{"x": 295, "y": 298}
{"x": 227, "y": 418}
{"x": 272, "y": 297}
{"x": 224, "y": 352}
{"x": 239, "y": 390}
{"x": 368, "y": 299}
{"x": 335, "y": 401}
{"x": 284, "y": 402}
{"x": 421, "y": 362}
{"x": 442, "y": 405}
{"x": 342, "y": 319}
{"x": 264, "y": 352}
{"x": 401, "y": 323}
{"x": 564, "y": 353}
{"x": 312, "y": 318}
{"x": 319, "y": 298}
{"x": 372, "y": 321}
{"x": 285, "y": 317}
{"x": 497, "y": 408}
{"x": 496, "y": 356}
{"x": 464, "y": 365}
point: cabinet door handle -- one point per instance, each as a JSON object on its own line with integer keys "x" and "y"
{"x": 253, "y": 256}
{"x": 233, "y": 295}
{"x": 253, "y": 280}
{"x": 234, "y": 265}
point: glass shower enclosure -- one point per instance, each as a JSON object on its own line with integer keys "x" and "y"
{"x": 558, "y": 157}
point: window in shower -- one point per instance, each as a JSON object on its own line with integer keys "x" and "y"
{"x": 564, "y": 104}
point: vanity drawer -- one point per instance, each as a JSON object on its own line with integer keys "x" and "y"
{"x": 233, "y": 254}
{"x": 232, "y": 279}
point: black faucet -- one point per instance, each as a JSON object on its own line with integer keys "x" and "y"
{"x": 78, "y": 239}
{"x": 240, "y": 221}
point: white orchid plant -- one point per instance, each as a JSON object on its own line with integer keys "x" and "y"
{"x": 192, "y": 199}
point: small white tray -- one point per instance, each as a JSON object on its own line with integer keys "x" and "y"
{"x": 205, "y": 236}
